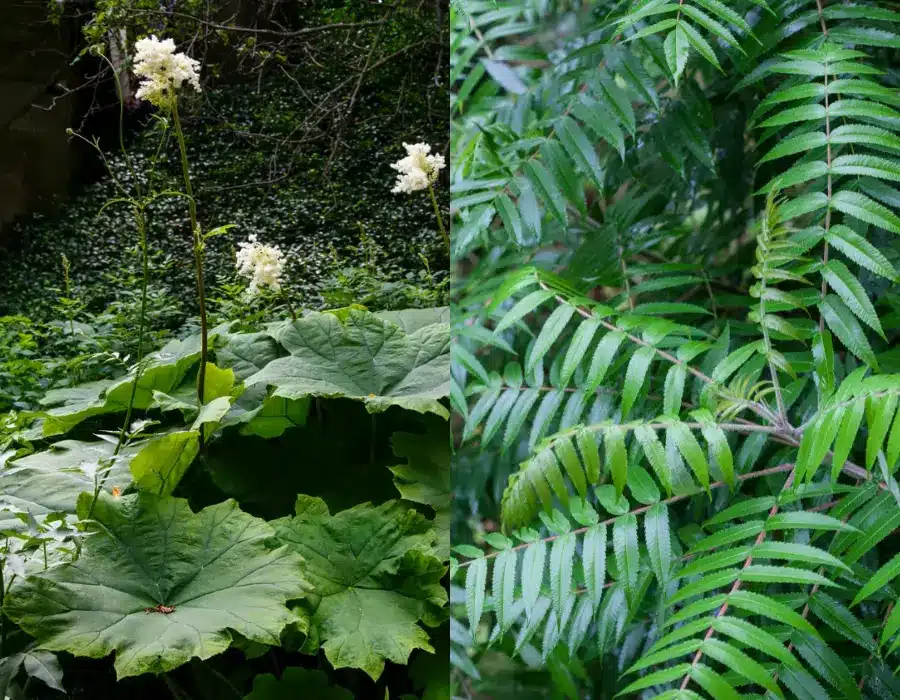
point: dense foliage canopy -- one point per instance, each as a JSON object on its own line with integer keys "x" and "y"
{"x": 674, "y": 358}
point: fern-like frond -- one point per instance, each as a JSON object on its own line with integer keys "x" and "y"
{"x": 674, "y": 373}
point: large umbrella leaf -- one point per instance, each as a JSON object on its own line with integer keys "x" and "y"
{"x": 52, "y": 480}
{"x": 374, "y": 579}
{"x": 247, "y": 353}
{"x": 159, "y": 585}
{"x": 411, "y": 320}
{"x": 365, "y": 358}
{"x": 161, "y": 371}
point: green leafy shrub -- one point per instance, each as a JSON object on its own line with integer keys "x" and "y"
{"x": 674, "y": 374}
{"x": 245, "y": 549}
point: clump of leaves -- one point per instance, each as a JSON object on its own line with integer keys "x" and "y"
{"x": 137, "y": 547}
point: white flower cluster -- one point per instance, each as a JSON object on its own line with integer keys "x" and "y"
{"x": 418, "y": 170}
{"x": 163, "y": 70}
{"x": 263, "y": 264}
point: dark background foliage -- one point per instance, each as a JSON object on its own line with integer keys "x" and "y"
{"x": 275, "y": 148}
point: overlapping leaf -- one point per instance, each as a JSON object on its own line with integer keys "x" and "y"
{"x": 211, "y": 571}
{"x": 374, "y": 579}
{"x": 364, "y": 358}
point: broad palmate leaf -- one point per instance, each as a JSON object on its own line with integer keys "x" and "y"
{"x": 161, "y": 371}
{"x": 374, "y": 579}
{"x": 159, "y": 585}
{"x": 363, "y": 357}
{"x": 411, "y": 320}
{"x": 52, "y": 480}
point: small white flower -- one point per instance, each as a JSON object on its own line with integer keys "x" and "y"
{"x": 163, "y": 70}
{"x": 263, "y": 264}
{"x": 418, "y": 170}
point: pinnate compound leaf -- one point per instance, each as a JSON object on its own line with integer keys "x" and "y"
{"x": 476, "y": 580}
{"x": 882, "y": 577}
{"x": 833, "y": 613}
{"x": 562, "y": 553}
{"x": 214, "y": 571}
{"x": 594, "y": 562}
{"x": 503, "y": 588}
{"x": 365, "y": 358}
{"x": 658, "y": 538}
{"x": 827, "y": 664}
{"x": 677, "y": 50}
{"x": 533, "y": 574}
{"x": 860, "y": 251}
{"x": 713, "y": 683}
{"x": 849, "y": 289}
{"x": 370, "y": 591}
{"x": 861, "y": 207}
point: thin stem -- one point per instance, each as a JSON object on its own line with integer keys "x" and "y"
{"x": 440, "y": 219}
{"x": 198, "y": 253}
{"x": 848, "y": 402}
{"x": 287, "y": 300}
{"x": 96, "y": 146}
{"x": 141, "y": 224}
{"x": 625, "y": 276}
{"x": 828, "y": 163}
{"x": 712, "y": 297}
{"x": 128, "y": 161}
{"x": 821, "y": 17}
{"x": 782, "y": 411}
{"x": 65, "y": 263}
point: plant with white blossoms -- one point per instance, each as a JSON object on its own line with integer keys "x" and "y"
{"x": 164, "y": 71}
{"x": 419, "y": 170}
{"x": 264, "y": 265}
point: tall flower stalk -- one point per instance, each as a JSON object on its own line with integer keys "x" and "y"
{"x": 164, "y": 72}
{"x": 419, "y": 170}
{"x": 137, "y": 203}
{"x": 199, "y": 251}
{"x": 440, "y": 219}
